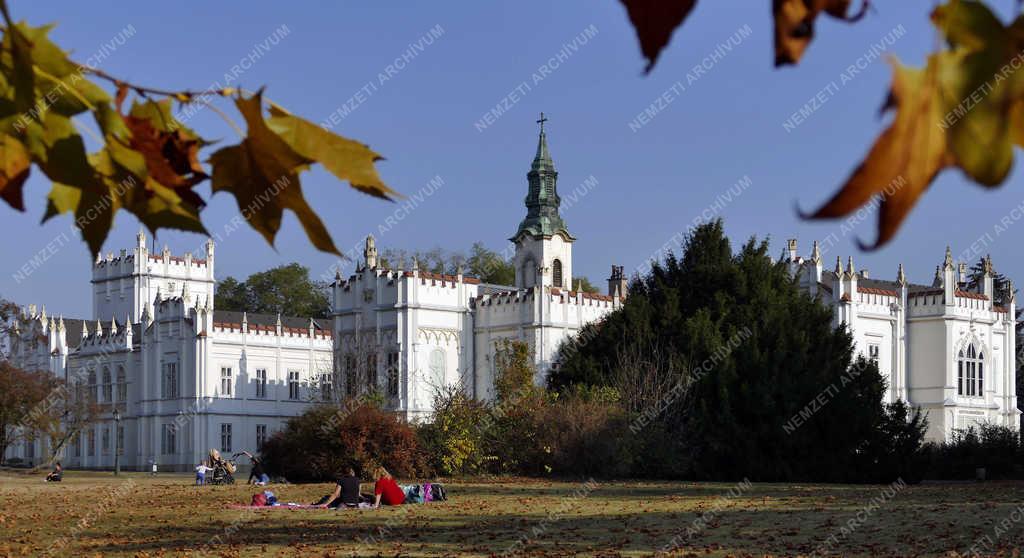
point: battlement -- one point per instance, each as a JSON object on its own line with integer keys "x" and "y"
{"x": 424, "y": 276}
{"x": 271, "y": 331}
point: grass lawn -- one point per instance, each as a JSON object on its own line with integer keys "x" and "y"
{"x": 94, "y": 514}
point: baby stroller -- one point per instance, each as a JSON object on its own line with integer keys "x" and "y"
{"x": 223, "y": 469}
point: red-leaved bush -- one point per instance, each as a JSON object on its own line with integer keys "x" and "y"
{"x": 319, "y": 444}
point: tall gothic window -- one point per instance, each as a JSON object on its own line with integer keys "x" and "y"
{"x": 437, "y": 368}
{"x": 108, "y": 388}
{"x": 92, "y": 385}
{"x": 122, "y": 385}
{"x": 970, "y": 372}
{"x": 556, "y": 267}
{"x": 351, "y": 387}
{"x": 170, "y": 380}
{"x": 393, "y": 370}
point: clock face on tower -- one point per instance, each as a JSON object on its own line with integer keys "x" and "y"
{"x": 368, "y": 295}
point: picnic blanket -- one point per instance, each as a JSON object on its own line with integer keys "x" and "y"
{"x": 288, "y": 506}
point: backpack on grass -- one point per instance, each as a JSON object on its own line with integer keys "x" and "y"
{"x": 413, "y": 494}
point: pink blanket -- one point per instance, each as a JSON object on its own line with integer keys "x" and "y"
{"x": 281, "y": 507}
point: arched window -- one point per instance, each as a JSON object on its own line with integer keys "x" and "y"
{"x": 437, "y": 366}
{"x": 556, "y": 271}
{"x": 108, "y": 390}
{"x": 122, "y": 385}
{"x": 92, "y": 385}
{"x": 970, "y": 372}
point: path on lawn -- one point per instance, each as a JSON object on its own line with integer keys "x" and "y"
{"x": 96, "y": 514}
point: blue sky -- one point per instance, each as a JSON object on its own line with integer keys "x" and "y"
{"x": 651, "y": 181}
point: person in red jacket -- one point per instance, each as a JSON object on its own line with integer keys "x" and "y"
{"x": 386, "y": 490}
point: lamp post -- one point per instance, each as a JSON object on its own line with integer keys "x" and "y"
{"x": 117, "y": 443}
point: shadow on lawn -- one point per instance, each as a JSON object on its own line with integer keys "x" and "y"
{"x": 484, "y": 519}
{"x": 454, "y": 530}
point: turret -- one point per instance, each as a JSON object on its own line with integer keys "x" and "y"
{"x": 127, "y": 331}
{"x": 837, "y": 280}
{"x": 948, "y": 279}
{"x": 851, "y": 278}
{"x": 370, "y": 253}
{"x": 988, "y": 281}
{"x": 815, "y": 266}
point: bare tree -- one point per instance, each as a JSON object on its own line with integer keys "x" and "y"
{"x": 647, "y": 376}
{"x": 61, "y": 415}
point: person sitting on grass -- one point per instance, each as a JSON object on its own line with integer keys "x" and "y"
{"x": 346, "y": 493}
{"x": 386, "y": 490}
{"x": 57, "y": 474}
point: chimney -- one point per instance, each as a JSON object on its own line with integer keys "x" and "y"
{"x": 617, "y": 282}
{"x": 791, "y": 244}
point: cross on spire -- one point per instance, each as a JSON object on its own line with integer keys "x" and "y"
{"x": 542, "y": 120}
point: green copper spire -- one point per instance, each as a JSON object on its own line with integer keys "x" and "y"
{"x": 542, "y": 201}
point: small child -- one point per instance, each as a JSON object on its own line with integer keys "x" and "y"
{"x": 201, "y": 470}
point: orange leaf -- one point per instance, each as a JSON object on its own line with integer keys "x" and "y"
{"x": 14, "y": 169}
{"x": 905, "y": 158}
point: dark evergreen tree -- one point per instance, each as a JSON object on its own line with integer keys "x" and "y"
{"x": 771, "y": 388}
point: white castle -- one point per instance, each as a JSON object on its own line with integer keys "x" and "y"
{"x": 942, "y": 347}
{"x": 185, "y": 378}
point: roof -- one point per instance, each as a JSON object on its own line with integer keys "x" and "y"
{"x": 231, "y": 316}
{"x": 492, "y": 288}
{"x": 884, "y": 285}
{"x": 73, "y": 331}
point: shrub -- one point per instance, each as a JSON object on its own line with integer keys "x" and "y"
{"x": 588, "y": 436}
{"x": 454, "y": 439}
{"x": 317, "y": 445}
{"x": 995, "y": 448}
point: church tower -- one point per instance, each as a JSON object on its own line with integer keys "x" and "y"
{"x": 543, "y": 243}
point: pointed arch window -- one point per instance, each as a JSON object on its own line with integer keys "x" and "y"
{"x": 108, "y": 388}
{"x": 437, "y": 366}
{"x": 92, "y": 389}
{"x": 122, "y": 385}
{"x": 556, "y": 268}
{"x": 970, "y": 372}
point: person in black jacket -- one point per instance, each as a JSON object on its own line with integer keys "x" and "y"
{"x": 346, "y": 493}
{"x": 257, "y": 471}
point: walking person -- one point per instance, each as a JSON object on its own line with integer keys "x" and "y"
{"x": 201, "y": 470}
